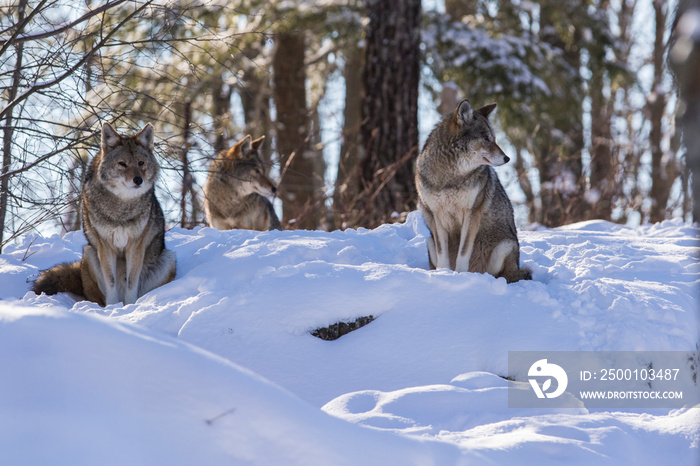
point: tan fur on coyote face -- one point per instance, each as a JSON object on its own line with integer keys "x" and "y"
{"x": 236, "y": 189}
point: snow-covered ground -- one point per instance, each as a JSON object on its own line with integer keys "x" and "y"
{"x": 219, "y": 366}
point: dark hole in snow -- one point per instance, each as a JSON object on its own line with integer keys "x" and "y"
{"x": 335, "y": 331}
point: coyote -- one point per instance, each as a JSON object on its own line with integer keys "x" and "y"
{"x": 462, "y": 201}
{"x": 234, "y": 194}
{"x": 123, "y": 222}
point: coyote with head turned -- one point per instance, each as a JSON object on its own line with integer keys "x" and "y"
{"x": 123, "y": 222}
{"x": 462, "y": 201}
{"x": 234, "y": 194}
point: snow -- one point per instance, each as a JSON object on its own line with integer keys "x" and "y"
{"x": 229, "y": 342}
{"x": 80, "y": 389}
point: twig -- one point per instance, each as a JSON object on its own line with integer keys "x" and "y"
{"x": 25, "y": 257}
{"x": 286, "y": 166}
{"x": 216, "y": 418}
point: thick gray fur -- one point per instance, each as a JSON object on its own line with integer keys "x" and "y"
{"x": 462, "y": 200}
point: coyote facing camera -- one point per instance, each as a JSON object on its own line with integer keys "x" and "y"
{"x": 462, "y": 201}
{"x": 234, "y": 194}
{"x": 124, "y": 225}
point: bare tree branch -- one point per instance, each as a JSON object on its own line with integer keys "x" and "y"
{"x": 7, "y": 43}
{"x": 47, "y": 156}
{"x": 72, "y": 69}
{"x": 43, "y": 35}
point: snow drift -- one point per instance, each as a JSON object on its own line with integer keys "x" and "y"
{"x": 423, "y": 377}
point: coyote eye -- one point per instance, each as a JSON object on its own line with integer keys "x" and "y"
{"x": 122, "y": 164}
{"x": 140, "y": 163}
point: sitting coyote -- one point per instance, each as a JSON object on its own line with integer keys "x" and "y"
{"x": 234, "y": 194}
{"x": 462, "y": 201}
{"x": 123, "y": 222}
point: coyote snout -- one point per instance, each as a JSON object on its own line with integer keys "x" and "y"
{"x": 261, "y": 183}
{"x": 491, "y": 153}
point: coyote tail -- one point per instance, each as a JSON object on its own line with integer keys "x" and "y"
{"x": 525, "y": 273}
{"x": 60, "y": 278}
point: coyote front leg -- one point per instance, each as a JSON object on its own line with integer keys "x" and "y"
{"x": 108, "y": 268}
{"x": 430, "y": 223}
{"x": 432, "y": 255}
{"x": 441, "y": 246}
{"x": 470, "y": 227}
{"x": 134, "y": 255}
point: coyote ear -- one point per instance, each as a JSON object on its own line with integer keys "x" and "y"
{"x": 464, "y": 113}
{"x": 258, "y": 142}
{"x": 110, "y": 138}
{"x": 145, "y": 137}
{"x": 487, "y": 109}
{"x": 245, "y": 144}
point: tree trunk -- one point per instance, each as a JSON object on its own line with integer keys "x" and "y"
{"x": 390, "y": 109}
{"x": 603, "y": 167}
{"x": 300, "y": 188}
{"x": 73, "y": 217}
{"x": 347, "y": 185}
{"x": 255, "y": 99}
{"x": 525, "y": 185}
{"x": 187, "y": 181}
{"x": 559, "y": 147}
{"x": 457, "y": 9}
{"x": 221, "y": 105}
{"x": 662, "y": 170}
{"x": 629, "y": 151}
{"x": 8, "y": 132}
{"x": 685, "y": 59}
{"x": 448, "y": 98}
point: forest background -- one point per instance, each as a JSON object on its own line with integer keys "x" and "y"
{"x": 346, "y": 91}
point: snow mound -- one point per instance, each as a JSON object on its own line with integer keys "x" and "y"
{"x": 429, "y": 365}
{"x": 78, "y": 389}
